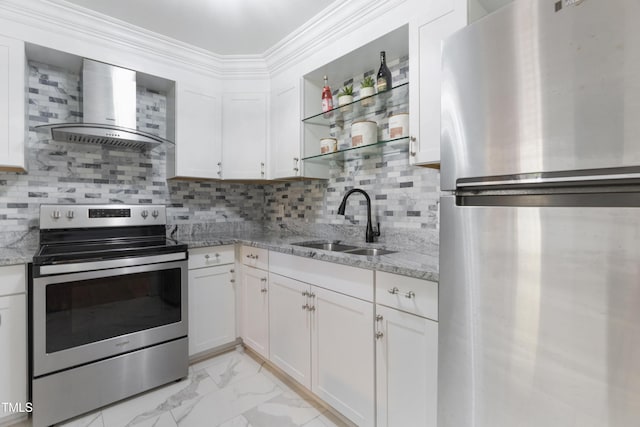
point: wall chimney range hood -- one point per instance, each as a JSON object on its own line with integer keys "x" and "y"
{"x": 109, "y": 111}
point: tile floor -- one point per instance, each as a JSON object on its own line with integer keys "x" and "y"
{"x": 230, "y": 390}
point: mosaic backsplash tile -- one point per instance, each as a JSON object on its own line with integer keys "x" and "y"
{"x": 404, "y": 198}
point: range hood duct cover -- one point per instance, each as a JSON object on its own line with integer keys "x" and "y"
{"x": 109, "y": 111}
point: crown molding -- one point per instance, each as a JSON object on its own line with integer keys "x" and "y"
{"x": 337, "y": 20}
{"x": 71, "y": 20}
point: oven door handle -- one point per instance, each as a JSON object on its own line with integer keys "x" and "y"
{"x": 112, "y": 263}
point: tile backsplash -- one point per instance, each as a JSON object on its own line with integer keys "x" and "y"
{"x": 404, "y": 198}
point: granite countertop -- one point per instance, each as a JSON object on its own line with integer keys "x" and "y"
{"x": 419, "y": 265}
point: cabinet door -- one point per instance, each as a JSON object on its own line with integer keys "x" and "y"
{"x": 406, "y": 369}
{"x": 342, "y": 354}
{"x": 285, "y": 142}
{"x": 425, "y": 41}
{"x": 244, "y": 135}
{"x": 13, "y": 351}
{"x": 12, "y": 104}
{"x": 211, "y": 308}
{"x": 255, "y": 310}
{"x": 198, "y": 149}
{"x": 290, "y": 327}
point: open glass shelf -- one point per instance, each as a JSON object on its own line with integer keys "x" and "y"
{"x": 381, "y": 147}
{"x": 373, "y": 104}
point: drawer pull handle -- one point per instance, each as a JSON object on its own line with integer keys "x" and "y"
{"x": 379, "y": 335}
{"x": 312, "y": 295}
{"x": 233, "y": 280}
{"x": 410, "y": 295}
{"x": 232, "y": 271}
{"x": 393, "y": 291}
{"x": 305, "y": 294}
{"x": 305, "y": 307}
{"x": 207, "y": 256}
{"x": 264, "y": 279}
{"x": 252, "y": 256}
{"x": 263, "y": 290}
{"x": 379, "y": 317}
{"x": 312, "y": 308}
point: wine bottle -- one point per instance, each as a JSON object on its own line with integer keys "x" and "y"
{"x": 383, "y": 80}
{"x": 327, "y": 98}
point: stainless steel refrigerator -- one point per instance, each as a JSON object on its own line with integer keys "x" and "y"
{"x": 540, "y": 218}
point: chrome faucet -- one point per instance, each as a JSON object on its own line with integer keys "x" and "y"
{"x": 370, "y": 234}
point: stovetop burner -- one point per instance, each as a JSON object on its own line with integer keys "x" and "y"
{"x": 82, "y": 233}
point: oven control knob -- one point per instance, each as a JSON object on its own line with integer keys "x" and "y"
{"x": 144, "y": 214}
{"x": 155, "y": 214}
{"x": 70, "y": 214}
{"x": 55, "y": 214}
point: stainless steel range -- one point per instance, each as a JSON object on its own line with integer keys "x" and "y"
{"x": 108, "y": 307}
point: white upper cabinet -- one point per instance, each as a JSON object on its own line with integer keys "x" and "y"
{"x": 198, "y": 134}
{"x": 244, "y": 135}
{"x": 426, "y": 32}
{"x": 285, "y": 128}
{"x": 12, "y": 104}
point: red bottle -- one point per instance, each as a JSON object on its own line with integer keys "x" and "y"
{"x": 327, "y": 98}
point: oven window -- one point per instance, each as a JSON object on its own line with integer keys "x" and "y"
{"x": 92, "y": 310}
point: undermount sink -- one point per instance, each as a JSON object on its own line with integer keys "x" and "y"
{"x": 327, "y": 246}
{"x": 336, "y": 246}
{"x": 370, "y": 251}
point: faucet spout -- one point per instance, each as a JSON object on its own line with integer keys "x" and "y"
{"x": 370, "y": 235}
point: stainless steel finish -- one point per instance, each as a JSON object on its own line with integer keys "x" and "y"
{"x": 334, "y": 245}
{"x": 541, "y": 179}
{"x": 65, "y": 394}
{"x": 393, "y": 291}
{"x": 0, "y": 319}
{"x": 412, "y": 148}
{"x": 46, "y": 363}
{"x": 539, "y": 322}
{"x": 528, "y": 89}
{"x": 109, "y": 111}
{"x": 113, "y": 263}
{"x": 109, "y": 94}
{"x": 370, "y": 251}
{"x": 50, "y": 217}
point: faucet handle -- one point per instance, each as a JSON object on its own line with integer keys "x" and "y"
{"x": 377, "y": 231}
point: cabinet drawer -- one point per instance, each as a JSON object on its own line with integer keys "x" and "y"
{"x": 408, "y": 294}
{"x": 255, "y": 257}
{"x": 13, "y": 279}
{"x": 211, "y": 256}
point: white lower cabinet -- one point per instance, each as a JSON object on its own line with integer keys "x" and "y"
{"x": 255, "y": 310}
{"x": 324, "y": 340}
{"x": 342, "y": 355}
{"x": 406, "y": 369}
{"x": 211, "y": 308}
{"x": 13, "y": 340}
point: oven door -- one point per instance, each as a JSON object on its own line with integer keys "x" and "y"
{"x": 82, "y": 317}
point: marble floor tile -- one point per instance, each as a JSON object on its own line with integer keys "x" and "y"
{"x": 285, "y": 410}
{"x": 325, "y": 420}
{"x": 218, "y": 407}
{"x": 93, "y": 419}
{"x": 231, "y": 367}
{"x": 238, "y": 421}
{"x": 149, "y": 407}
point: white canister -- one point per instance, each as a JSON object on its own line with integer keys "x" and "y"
{"x": 328, "y": 145}
{"x": 399, "y": 125}
{"x": 364, "y": 133}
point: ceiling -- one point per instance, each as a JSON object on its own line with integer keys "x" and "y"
{"x": 226, "y": 27}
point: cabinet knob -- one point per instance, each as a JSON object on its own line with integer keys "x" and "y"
{"x": 410, "y": 295}
{"x": 379, "y": 335}
{"x": 393, "y": 291}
